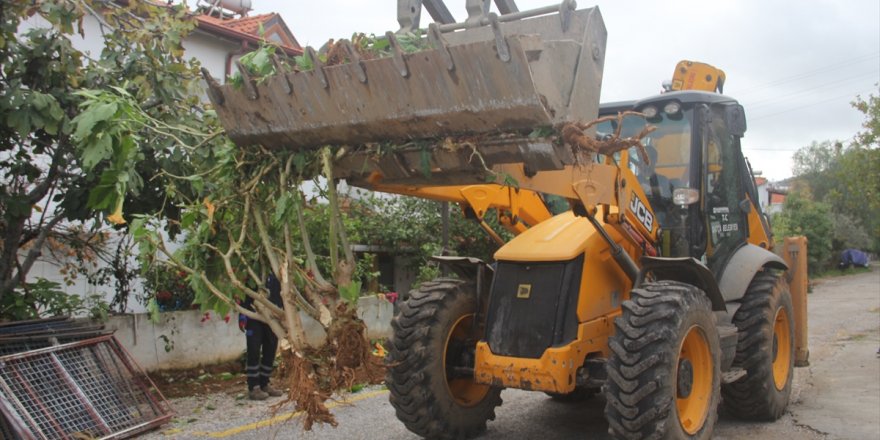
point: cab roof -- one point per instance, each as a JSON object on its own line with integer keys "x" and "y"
{"x": 684, "y": 97}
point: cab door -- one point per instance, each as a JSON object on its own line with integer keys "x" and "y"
{"x": 725, "y": 220}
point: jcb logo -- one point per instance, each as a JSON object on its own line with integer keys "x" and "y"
{"x": 641, "y": 212}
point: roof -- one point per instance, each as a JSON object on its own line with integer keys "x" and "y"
{"x": 249, "y": 25}
{"x": 247, "y": 29}
{"x": 684, "y": 97}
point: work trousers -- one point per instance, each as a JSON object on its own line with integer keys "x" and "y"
{"x": 261, "y": 347}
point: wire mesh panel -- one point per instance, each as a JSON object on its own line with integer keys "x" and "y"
{"x": 86, "y": 389}
{"x": 20, "y": 336}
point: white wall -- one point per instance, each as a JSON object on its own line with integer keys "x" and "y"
{"x": 203, "y": 342}
{"x": 211, "y": 51}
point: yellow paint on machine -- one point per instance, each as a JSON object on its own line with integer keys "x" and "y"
{"x": 554, "y": 371}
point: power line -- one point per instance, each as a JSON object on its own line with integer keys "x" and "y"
{"x": 832, "y": 84}
{"x": 848, "y": 95}
{"x": 827, "y": 68}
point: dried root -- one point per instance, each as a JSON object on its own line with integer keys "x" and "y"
{"x": 314, "y": 374}
{"x": 585, "y": 146}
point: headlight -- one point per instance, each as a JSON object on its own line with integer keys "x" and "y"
{"x": 649, "y": 112}
{"x": 672, "y": 108}
{"x": 685, "y": 196}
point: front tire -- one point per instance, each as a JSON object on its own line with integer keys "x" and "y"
{"x": 664, "y": 369}
{"x": 765, "y": 349}
{"x": 431, "y": 348}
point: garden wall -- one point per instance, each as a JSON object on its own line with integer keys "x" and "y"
{"x": 193, "y": 338}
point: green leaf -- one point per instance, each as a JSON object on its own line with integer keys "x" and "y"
{"x": 94, "y": 114}
{"x": 153, "y": 310}
{"x": 282, "y": 208}
{"x": 350, "y": 292}
{"x": 188, "y": 219}
{"x": 98, "y": 150}
{"x": 425, "y": 159}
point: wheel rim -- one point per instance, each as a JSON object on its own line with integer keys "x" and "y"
{"x": 781, "y": 349}
{"x": 693, "y": 380}
{"x": 464, "y": 391}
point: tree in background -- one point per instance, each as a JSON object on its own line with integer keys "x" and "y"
{"x": 802, "y": 216}
{"x": 843, "y": 184}
{"x": 60, "y": 165}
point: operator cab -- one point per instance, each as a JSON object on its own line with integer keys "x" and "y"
{"x": 698, "y": 181}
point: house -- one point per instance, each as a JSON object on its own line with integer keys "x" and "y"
{"x": 776, "y": 198}
{"x": 221, "y": 37}
{"x": 219, "y": 41}
{"x": 761, "y": 184}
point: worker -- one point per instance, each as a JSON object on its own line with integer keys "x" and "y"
{"x": 261, "y": 346}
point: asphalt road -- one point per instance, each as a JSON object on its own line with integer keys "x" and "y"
{"x": 837, "y": 397}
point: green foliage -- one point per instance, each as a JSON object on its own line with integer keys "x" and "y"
{"x": 801, "y": 216}
{"x": 848, "y": 233}
{"x": 45, "y": 298}
{"x": 351, "y": 292}
{"x": 259, "y": 63}
{"x": 82, "y": 138}
{"x": 869, "y": 107}
{"x": 166, "y": 289}
{"x": 845, "y": 177}
{"x": 411, "y": 227}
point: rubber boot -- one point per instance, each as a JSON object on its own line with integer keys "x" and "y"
{"x": 257, "y": 394}
{"x": 271, "y": 391}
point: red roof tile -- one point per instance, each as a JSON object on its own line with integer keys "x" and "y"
{"x": 246, "y": 29}
{"x": 250, "y": 25}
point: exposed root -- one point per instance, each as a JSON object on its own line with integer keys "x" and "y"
{"x": 585, "y": 146}
{"x": 344, "y": 360}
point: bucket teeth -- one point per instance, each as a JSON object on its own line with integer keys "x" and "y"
{"x": 506, "y": 76}
{"x": 215, "y": 92}
{"x": 435, "y": 37}
{"x": 399, "y": 60}
{"x": 500, "y": 42}
{"x": 317, "y": 66}
{"x": 354, "y": 60}
{"x": 250, "y": 87}
{"x": 279, "y": 68}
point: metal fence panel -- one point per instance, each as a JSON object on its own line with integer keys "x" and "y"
{"x": 84, "y": 389}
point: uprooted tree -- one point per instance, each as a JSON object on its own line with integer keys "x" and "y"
{"x": 251, "y": 223}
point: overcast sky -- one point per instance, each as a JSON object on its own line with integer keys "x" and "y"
{"x": 794, "y": 65}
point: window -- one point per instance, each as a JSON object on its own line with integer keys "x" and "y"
{"x": 669, "y": 150}
{"x": 723, "y": 191}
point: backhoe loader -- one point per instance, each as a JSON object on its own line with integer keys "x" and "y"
{"x": 658, "y": 287}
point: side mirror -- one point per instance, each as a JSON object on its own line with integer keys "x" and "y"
{"x": 735, "y": 119}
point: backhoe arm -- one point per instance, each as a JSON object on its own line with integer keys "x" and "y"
{"x": 517, "y": 208}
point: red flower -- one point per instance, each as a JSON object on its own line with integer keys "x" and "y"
{"x": 226, "y": 318}
{"x": 391, "y": 297}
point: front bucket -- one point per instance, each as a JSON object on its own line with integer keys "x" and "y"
{"x": 512, "y": 76}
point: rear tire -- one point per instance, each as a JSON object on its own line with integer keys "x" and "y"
{"x": 664, "y": 369}
{"x": 765, "y": 349}
{"x": 432, "y": 335}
